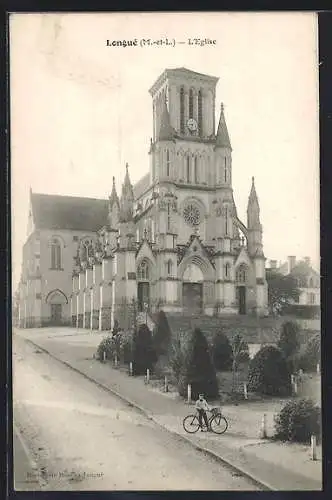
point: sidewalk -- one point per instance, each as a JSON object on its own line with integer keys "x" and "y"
{"x": 278, "y": 466}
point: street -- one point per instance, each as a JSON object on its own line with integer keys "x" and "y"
{"x": 83, "y": 438}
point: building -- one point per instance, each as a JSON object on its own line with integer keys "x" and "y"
{"x": 307, "y": 279}
{"x": 172, "y": 241}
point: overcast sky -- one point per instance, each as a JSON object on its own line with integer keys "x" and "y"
{"x": 80, "y": 110}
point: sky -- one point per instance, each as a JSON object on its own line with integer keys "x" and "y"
{"x": 81, "y": 109}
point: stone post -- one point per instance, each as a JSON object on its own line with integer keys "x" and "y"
{"x": 95, "y": 299}
{"x": 80, "y": 305}
{"x": 74, "y": 300}
{"x": 106, "y": 296}
{"x": 87, "y": 298}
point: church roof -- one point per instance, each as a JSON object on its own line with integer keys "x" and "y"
{"x": 68, "y": 212}
{"x": 302, "y": 270}
{"x": 141, "y": 186}
{"x": 222, "y": 139}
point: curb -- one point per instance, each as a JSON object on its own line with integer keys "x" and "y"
{"x": 253, "y": 479}
{"x": 32, "y": 462}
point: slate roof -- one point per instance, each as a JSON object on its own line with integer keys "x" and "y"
{"x": 141, "y": 185}
{"x": 68, "y": 212}
{"x": 302, "y": 270}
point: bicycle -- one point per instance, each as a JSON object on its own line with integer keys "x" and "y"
{"x": 217, "y": 422}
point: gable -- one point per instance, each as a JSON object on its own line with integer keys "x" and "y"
{"x": 243, "y": 258}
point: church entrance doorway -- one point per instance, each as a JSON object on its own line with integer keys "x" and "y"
{"x": 143, "y": 295}
{"x": 192, "y": 289}
{"x": 56, "y": 314}
{"x": 241, "y": 296}
{"x": 192, "y": 294}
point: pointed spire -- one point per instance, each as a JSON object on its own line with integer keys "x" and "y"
{"x": 166, "y": 132}
{"x": 253, "y": 199}
{"x": 114, "y": 196}
{"x": 222, "y": 138}
{"x": 127, "y": 198}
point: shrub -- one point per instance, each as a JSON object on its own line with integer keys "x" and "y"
{"x": 289, "y": 340}
{"x": 269, "y": 373}
{"x": 222, "y": 352}
{"x": 162, "y": 335}
{"x": 311, "y": 355}
{"x": 198, "y": 369}
{"x": 143, "y": 351}
{"x": 177, "y": 358}
{"x": 108, "y": 346}
{"x": 297, "y": 421}
{"x": 126, "y": 347}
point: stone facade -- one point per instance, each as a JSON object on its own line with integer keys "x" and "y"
{"x": 174, "y": 240}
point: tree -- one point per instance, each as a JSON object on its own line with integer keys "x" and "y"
{"x": 282, "y": 291}
{"x": 288, "y": 342}
{"x": 198, "y": 369}
{"x": 162, "y": 335}
{"x": 144, "y": 356}
{"x": 269, "y": 373}
{"x": 311, "y": 355}
{"x": 240, "y": 354}
{"x": 222, "y": 352}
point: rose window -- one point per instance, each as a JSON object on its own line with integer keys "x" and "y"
{"x": 192, "y": 215}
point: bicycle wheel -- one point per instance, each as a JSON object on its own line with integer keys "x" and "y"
{"x": 218, "y": 424}
{"x": 191, "y": 424}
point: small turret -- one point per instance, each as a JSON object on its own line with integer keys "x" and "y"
{"x": 254, "y": 226}
{"x": 127, "y": 199}
{"x": 222, "y": 137}
{"x": 166, "y": 131}
{"x": 113, "y": 207}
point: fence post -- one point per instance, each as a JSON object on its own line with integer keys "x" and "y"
{"x": 245, "y": 390}
{"x": 263, "y": 427}
{"x": 318, "y": 368}
{"x": 189, "y": 393}
{"x": 130, "y": 368}
{"x": 116, "y": 360}
{"x": 147, "y": 375}
{"x": 166, "y": 384}
{"x": 313, "y": 448}
{"x": 104, "y": 356}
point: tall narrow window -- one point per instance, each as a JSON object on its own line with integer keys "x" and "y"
{"x": 188, "y": 169}
{"x": 168, "y": 164}
{"x": 225, "y": 169}
{"x": 226, "y": 220}
{"x": 55, "y": 254}
{"x": 182, "y": 110}
{"x": 191, "y": 103}
{"x": 196, "y": 170}
{"x": 200, "y": 113}
{"x": 169, "y": 268}
{"x": 227, "y": 271}
{"x": 168, "y": 217}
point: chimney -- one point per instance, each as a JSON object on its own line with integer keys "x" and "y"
{"x": 291, "y": 262}
{"x": 273, "y": 264}
{"x": 307, "y": 260}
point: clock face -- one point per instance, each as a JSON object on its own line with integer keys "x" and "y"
{"x": 192, "y": 124}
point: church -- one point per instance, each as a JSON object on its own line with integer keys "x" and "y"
{"x": 172, "y": 241}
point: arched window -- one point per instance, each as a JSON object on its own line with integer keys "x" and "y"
{"x": 188, "y": 169}
{"x": 182, "y": 110}
{"x": 241, "y": 274}
{"x": 168, "y": 164}
{"x": 225, "y": 170}
{"x": 226, "y": 220}
{"x": 200, "y": 113}
{"x": 168, "y": 217}
{"x": 143, "y": 271}
{"x": 227, "y": 271}
{"x": 55, "y": 254}
{"x": 196, "y": 169}
{"x": 191, "y": 103}
{"x": 169, "y": 268}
